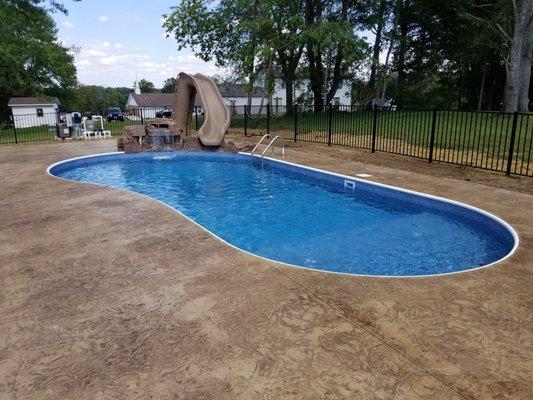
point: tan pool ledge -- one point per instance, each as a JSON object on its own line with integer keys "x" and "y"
{"x": 108, "y": 294}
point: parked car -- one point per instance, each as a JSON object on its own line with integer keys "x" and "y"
{"x": 164, "y": 113}
{"x": 114, "y": 114}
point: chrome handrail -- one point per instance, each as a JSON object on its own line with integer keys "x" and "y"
{"x": 270, "y": 145}
{"x": 257, "y": 145}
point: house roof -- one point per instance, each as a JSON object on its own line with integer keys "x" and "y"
{"x": 156, "y": 99}
{"x": 32, "y": 101}
{"x": 153, "y": 99}
{"x": 238, "y": 90}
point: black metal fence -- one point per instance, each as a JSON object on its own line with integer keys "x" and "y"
{"x": 34, "y": 127}
{"x": 489, "y": 140}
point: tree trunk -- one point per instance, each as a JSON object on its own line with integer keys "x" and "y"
{"x": 316, "y": 72}
{"x": 326, "y": 76}
{"x": 289, "y": 63}
{"x": 482, "y": 87}
{"x": 385, "y": 72}
{"x": 377, "y": 49}
{"x": 517, "y": 44}
{"x": 402, "y": 49}
{"x": 525, "y": 74}
{"x": 289, "y": 95}
{"x": 337, "y": 68}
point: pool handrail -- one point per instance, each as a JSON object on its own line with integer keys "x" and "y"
{"x": 270, "y": 145}
{"x": 258, "y": 143}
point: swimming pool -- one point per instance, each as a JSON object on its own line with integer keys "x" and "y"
{"x": 306, "y": 217}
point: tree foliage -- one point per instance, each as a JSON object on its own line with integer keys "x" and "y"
{"x": 97, "y": 98}
{"x": 446, "y": 53}
{"x": 168, "y": 85}
{"x": 32, "y": 60}
{"x": 146, "y": 86}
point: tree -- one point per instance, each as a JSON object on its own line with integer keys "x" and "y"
{"x": 512, "y": 22}
{"x": 332, "y": 47}
{"x": 377, "y": 19}
{"x": 97, "y": 98}
{"x": 146, "y": 86}
{"x": 227, "y": 32}
{"x": 32, "y": 60}
{"x": 168, "y": 85}
{"x": 50, "y": 6}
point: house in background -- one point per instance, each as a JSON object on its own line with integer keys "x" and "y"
{"x": 235, "y": 97}
{"x": 34, "y": 111}
{"x": 302, "y": 93}
{"x": 146, "y": 105}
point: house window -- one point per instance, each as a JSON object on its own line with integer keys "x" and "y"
{"x": 39, "y": 112}
{"x": 336, "y": 101}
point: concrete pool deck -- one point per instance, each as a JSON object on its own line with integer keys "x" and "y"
{"x": 107, "y": 294}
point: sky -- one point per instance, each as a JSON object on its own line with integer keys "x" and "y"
{"x": 119, "y": 41}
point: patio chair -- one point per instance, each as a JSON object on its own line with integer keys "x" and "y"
{"x": 87, "y": 128}
{"x": 101, "y": 133}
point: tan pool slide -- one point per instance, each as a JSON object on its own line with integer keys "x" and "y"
{"x": 216, "y": 114}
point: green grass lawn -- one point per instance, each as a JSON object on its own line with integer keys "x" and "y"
{"x": 32, "y": 134}
{"x": 472, "y": 138}
{"x": 459, "y": 136}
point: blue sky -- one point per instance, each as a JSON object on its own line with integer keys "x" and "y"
{"x": 118, "y": 40}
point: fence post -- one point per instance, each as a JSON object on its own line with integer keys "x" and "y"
{"x": 432, "y": 137}
{"x": 142, "y": 117}
{"x": 374, "y": 127}
{"x": 268, "y": 118}
{"x": 196, "y": 117}
{"x": 511, "y": 144}
{"x": 330, "y": 114}
{"x": 295, "y": 110}
{"x": 14, "y": 125}
{"x": 245, "y": 120}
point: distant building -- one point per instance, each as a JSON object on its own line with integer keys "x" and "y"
{"x": 147, "y": 104}
{"x": 34, "y": 111}
{"x": 236, "y": 97}
{"x": 302, "y": 91}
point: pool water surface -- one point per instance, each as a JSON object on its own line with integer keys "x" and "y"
{"x": 306, "y": 217}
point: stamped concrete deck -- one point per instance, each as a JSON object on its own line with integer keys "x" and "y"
{"x": 105, "y": 294}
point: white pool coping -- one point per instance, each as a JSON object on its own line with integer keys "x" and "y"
{"x": 364, "y": 181}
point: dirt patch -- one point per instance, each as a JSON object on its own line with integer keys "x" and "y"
{"x": 438, "y": 169}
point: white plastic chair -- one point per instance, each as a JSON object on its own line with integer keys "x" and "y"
{"x": 87, "y": 128}
{"x": 101, "y": 133}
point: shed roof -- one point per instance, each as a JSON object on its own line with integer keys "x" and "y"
{"x": 32, "y": 101}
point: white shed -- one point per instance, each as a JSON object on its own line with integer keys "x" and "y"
{"x": 34, "y": 111}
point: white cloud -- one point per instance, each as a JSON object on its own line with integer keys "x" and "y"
{"x": 65, "y": 41}
{"x": 67, "y": 24}
{"x": 104, "y": 63}
{"x": 103, "y": 18}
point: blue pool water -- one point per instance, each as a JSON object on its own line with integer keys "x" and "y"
{"x": 304, "y": 217}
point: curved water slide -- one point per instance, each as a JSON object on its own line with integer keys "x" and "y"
{"x": 217, "y": 117}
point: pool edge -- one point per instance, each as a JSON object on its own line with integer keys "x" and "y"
{"x": 495, "y": 218}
